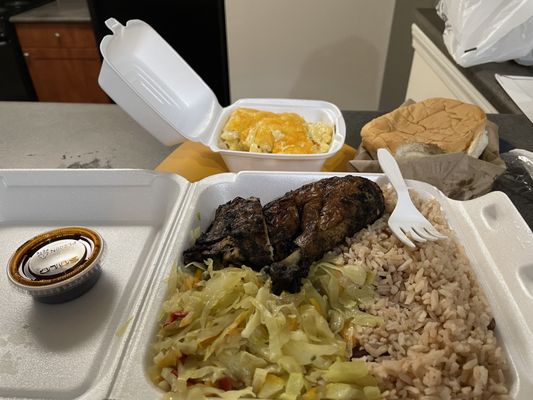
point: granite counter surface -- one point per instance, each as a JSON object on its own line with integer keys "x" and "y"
{"x": 61, "y": 135}
{"x": 37, "y": 135}
{"x": 67, "y": 135}
{"x": 56, "y": 11}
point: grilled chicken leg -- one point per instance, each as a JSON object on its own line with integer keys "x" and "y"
{"x": 289, "y": 233}
{"x": 307, "y": 222}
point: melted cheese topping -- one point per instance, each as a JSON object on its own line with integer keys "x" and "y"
{"x": 267, "y": 132}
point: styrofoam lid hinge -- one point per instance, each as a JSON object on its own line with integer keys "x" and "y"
{"x": 114, "y": 25}
{"x": 153, "y": 71}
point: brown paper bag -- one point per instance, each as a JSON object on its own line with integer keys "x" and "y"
{"x": 457, "y": 175}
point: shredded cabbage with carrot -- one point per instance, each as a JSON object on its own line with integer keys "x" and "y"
{"x": 223, "y": 334}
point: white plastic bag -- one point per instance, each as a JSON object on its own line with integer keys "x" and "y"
{"x": 481, "y": 31}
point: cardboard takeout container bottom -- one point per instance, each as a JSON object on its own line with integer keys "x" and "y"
{"x": 101, "y": 340}
{"x": 195, "y": 161}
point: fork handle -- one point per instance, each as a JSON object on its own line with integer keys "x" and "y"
{"x": 390, "y": 167}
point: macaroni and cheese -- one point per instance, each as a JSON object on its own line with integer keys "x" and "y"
{"x": 268, "y": 132}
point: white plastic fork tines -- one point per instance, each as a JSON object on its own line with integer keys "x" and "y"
{"x": 406, "y": 222}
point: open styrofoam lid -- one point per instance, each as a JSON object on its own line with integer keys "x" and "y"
{"x": 160, "y": 77}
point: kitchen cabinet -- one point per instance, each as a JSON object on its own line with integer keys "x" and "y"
{"x": 434, "y": 75}
{"x": 63, "y": 61}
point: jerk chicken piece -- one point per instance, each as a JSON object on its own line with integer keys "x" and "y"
{"x": 236, "y": 236}
{"x": 289, "y": 233}
{"x": 307, "y": 222}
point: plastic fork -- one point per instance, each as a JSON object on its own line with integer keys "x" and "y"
{"x": 406, "y": 222}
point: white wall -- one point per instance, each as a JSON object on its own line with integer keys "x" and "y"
{"x": 331, "y": 50}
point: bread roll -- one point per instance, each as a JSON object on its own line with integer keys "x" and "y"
{"x": 451, "y": 125}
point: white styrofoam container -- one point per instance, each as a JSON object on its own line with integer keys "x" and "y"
{"x": 157, "y": 88}
{"x": 72, "y": 350}
{"x": 146, "y": 220}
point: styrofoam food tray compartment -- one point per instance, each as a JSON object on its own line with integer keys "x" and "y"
{"x": 96, "y": 346}
{"x": 72, "y": 350}
{"x": 158, "y": 89}
{"x": 496, "y": 239}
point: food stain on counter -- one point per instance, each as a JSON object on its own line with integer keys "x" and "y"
{"x": 95, "y": 163}
{"x": 90, "y": 159}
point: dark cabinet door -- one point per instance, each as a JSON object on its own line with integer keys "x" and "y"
{"x": 15, "y": 84}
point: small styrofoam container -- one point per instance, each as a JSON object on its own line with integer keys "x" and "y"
{"x": 157, "y": 88}
{"x": 146, "y": 220}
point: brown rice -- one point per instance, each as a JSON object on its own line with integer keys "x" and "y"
{"x": 437, "y": 341}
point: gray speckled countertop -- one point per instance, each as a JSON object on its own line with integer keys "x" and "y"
{"x": 57, "y": 11}
{"x": 66, "y": 135}
{"x": 481, "y": 76}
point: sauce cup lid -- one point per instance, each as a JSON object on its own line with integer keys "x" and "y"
{"x": 56, "y": 261}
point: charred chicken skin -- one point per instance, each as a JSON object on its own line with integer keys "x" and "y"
{"x": 236, "y": 236}
{"x": 291, "y": 232}
{"x": 309, "y": 221}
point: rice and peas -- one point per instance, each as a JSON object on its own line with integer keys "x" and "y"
{"x": 372, "y": 317}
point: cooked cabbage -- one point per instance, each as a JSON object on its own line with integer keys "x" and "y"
{"x": 224, "y": 334}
